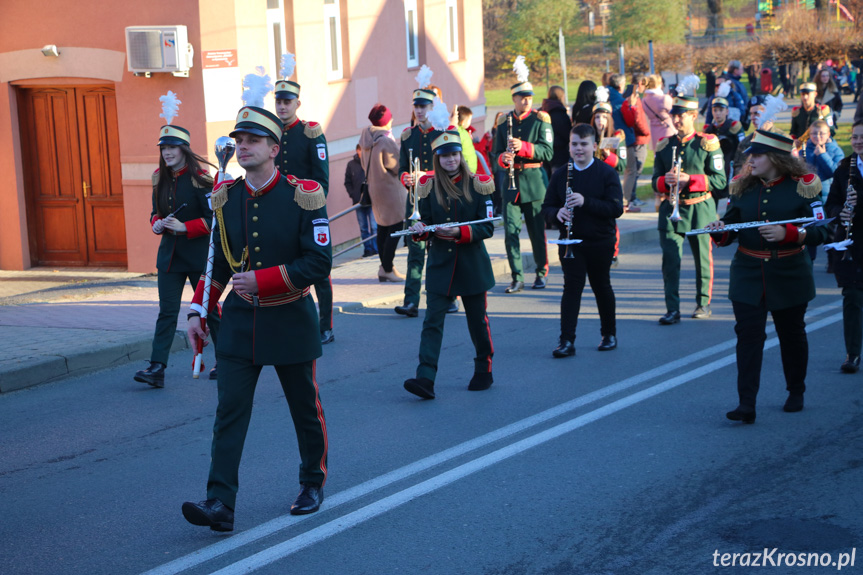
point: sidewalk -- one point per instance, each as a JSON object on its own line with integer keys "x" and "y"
{"x": 69, "y": 322}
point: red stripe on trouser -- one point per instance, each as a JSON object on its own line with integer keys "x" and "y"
{"x": 320, "y": 410}
{"x": 710, "y": 263}
{"x": 488, "y": 329}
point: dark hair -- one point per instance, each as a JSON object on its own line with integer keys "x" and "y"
{"x": 464, "y": 112}
{"x": 786, "y": 164}
{"x": 557, "y": 93}
{"x": 584, "y": 131}
{"x": 163, "y": 185}
{"x": 857, "y": 123}
{"x": 638, "y": 78}
{"x": 586, "y": 96}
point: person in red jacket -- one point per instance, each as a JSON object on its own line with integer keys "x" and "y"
{"x": 634, "y": 117}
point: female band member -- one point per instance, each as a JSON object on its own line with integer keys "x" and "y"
{"x": 458, "y": 264}
{"x": 595, "y": 202}
{"x": 603, "y": 126}
{"x": 182, "y": 216}
{"x": 771, "y": 270}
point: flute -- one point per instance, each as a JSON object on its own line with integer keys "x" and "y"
{"x": 432, "y": 228}
{"x": 745, "y": 225}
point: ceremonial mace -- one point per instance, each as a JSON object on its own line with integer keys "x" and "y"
{"x": 224, "y": 149}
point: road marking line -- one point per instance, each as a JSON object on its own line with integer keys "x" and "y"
{"x": 353, "y": 493}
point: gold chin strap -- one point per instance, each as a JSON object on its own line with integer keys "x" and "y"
{"x": 236, "y": 266}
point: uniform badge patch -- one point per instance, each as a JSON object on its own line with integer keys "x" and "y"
{"x": 718, "y": 163}
{"x": 622, "y": 153}
{"x": 548, "y": 135}
{"x": 817, "y": 210}
{"x": 322, "y": 152}
{"x": 829, "y": 120}
{"x": 322, "y": 235}
{"x": 489, "y": 209}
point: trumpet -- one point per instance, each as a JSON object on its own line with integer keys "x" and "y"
{"x": 432, "y": 228}
{"x": 511, "y": 169}
{"x": 674, "y": 196}
{"x": 414, "y": 164}
{"x": 745, "y": 225}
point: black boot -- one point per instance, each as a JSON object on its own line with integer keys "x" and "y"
{"x": 421, "y": 387}
{"x": 480, "y": 382}
{"x": 211, "y": 513}
{"x": 153, "y": 375}
{"x": 309, "y": 500}
{"x": 744, "y": 413}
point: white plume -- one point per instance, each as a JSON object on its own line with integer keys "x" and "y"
{"x": 520, "y": 69}
{"x": 257, "y": 86}
{"x": 734, "y": 114}
{"x": 439, "y": 115}
{"x": 688, "y": 86}
{"x": 170, "y": 106}
{"x": 772, "y": 106}
{"x": 724, "y": 89}
{"x": 423, "y": 77}
{"x": 289, "y": 62}
{"x": 601, "y": 94}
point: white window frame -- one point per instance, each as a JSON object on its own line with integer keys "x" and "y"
{"x": 452, "y": 45}
{"x": 332, "y": 14}
{"x": 411, "y": 10}
{"x": 276, "y": 16}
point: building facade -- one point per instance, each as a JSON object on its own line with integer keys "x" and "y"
{"x": 78, "y": 129}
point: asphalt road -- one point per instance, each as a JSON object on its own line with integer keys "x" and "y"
{"x": 606, "y": 463}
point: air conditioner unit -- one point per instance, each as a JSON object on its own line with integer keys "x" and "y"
{"x": 158, "y": 49}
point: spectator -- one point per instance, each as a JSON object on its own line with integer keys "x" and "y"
{"x": 828, "y": 92}
{"x": 734, "y": 73}
{"x": 380, "y": 157}
{"x": 555, "y": 107}
{"x": 753, "y": 70}
{"x": 793, "y": 76}
{"x": 736, "y": 103}
{"x": 582, "y": 108}
{"x": 354, "y": 178}
{"x": 709, "y": 82}
{"x": 636, "y": 152}
{"x": 461, "y": 119}
{"x": 823, "y": 154}
{"x": 657, "y": 106}
{"x": 615, "y": 98}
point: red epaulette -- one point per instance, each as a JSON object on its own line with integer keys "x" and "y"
{"x": 484, "y": 178}
{"x": 805, "y": 178}
{"x": 425, "y": 178}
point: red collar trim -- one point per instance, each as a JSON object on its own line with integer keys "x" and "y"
{"x": 523, "y": 116}
{"x": 687, "y": 138}
{"x": 271, "y": 183}
{"x": 297, "y": 121}
{"x": 773, "y": 182}
{"x": 181, "y": 171}
{"x": 456, "y": 179}
{"x": 431, "y": 127}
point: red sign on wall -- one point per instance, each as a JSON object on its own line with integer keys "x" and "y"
{"x": 220, "y": 59}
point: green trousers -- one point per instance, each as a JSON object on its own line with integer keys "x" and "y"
{"x": 171, "y": 286}
{"x": 324, "y": 293}
{"x": 237, "y": 381}
{"x": 672, "y": 254}
{"x": 414, "y": 274}
{"x": 852, "y": 319}
{"x": 432, "y": 334}
{"x": 536, "y": 232}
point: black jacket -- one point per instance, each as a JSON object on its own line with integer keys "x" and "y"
{"x": 848, "y": 265}
{"x": 560, "y": 127}
{"x": 354, "y": 178}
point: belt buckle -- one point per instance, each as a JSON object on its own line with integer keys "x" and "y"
{"x": 255, "y": 301}
{"x": 774, "y": 255}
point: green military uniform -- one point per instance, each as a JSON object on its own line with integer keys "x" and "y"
{"x": 303, "y": 154}
{"x": 180, "y": 256}
{"x": 535, "y": 132}
{"x": 457, "y": 268}
{"x": 419, "y": 140}
{"x": 801, "y": 119}
{"x": 703, "y": 160}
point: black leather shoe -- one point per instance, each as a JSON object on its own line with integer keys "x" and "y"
{"x": 538, "y": 283}
{"x": 421, "y": 387}
{"x": 743, "y": 413}
{"x": 851, "y": 365}
{"x": 214, "y": 374}
{"x": 794, "y": 403}
{"x": 453, "y": 307}
{"x": 211, "y": 513}
{"x": 701, "y": 312}
{"x": 670, "y": 318}
{"x": 608, "y": 343}
{"x": 480, "y": 382}
{"x": 309, "y": 500}
{"x": 153, "y": 375}
{"x": 515, "y": 287}
{"x": 409, "y": 309}
{"x": 327, "y": 336}
{"x": 565, "y": 349}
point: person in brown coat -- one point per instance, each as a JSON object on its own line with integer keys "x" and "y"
{"x": 380, "y": 157}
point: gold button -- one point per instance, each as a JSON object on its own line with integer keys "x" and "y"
{"x": 257, "y": 248}
{"x": 255, "y": 234}
{"x": 763, "y": 213}
{"x": 763, "y": 201}
{"x": 447, "y": 219}
{"x": 449, "y": 250}
{"x": 255, "y": 205}
{"x": 258, "y": 264}
{"x": 255, "y": 218}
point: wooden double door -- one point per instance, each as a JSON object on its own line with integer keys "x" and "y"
{"x": 73, "y": 185}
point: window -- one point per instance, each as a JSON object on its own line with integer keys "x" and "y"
{"x": 452, "y": 21}
{"x": 333, "y": 39}
{"x": 411, "y": 33}
{"x": 275, "y": 37}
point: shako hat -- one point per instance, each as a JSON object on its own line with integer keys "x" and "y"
{"x": 683, "y": 104}
{"x": 287, "y": 89}
{"x": 523, "y": 87}
{"x": 172, "y": 135}
{"x": 449, "y": 141}
{"x": 258, "y": 121}
{"x": 722, "y": 102}
{"x": 809, "y": 87}
{"x": 763, "y": 142}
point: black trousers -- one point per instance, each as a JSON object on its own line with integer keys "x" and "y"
{"x": 591, "y": 262}
{"x": 171, "y": 285}
{"x": 852, "y": 319}
{"x": 387, "y": 245}
{"x": 751, "y": 334}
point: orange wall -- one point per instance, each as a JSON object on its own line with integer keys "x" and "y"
{"x": 92, "y": 45}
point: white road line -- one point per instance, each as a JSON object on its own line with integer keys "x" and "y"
{"x": 349, "y": 495}
{"x": 282, "y": 550}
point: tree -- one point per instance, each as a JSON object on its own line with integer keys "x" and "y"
{"x": 637, "y": 21}
{"x": 533, "y": 29}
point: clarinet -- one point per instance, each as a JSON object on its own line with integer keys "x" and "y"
{"x": 849, "y": 225}
{"x": 568, "y": 253}
{"x": 511, "y": 169}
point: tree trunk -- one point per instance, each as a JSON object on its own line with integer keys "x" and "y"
{"x": 715, "y": 20}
